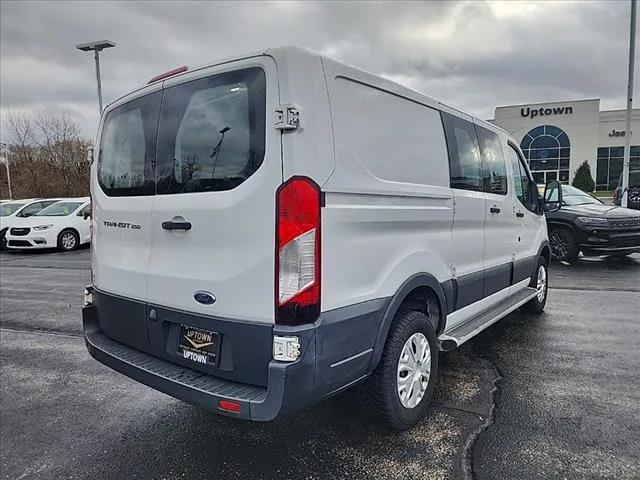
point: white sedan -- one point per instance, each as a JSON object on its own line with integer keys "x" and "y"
{"x": 65, "y": 225}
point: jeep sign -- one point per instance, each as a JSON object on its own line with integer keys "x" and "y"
{"x": 542, "y": 111}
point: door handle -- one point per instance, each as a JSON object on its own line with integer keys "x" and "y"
{"x": 176, "y": 225}
{"x": 494, "y": 210}
{"x": 519, "y": 214}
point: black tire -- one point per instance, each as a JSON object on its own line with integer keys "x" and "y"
{"x": 537, "y": 303}
{"x": 65, "y": 243}
{"x": 379, "y": 394}
{"x": 3, "y": 242}
{"x": 564, "y": 247}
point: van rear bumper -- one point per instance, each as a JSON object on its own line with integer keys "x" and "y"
{"x": 326, "y": 366}
{"x": 256, "y": 402}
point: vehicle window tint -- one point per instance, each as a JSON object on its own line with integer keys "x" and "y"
{"x": 212, "y": 132}
{"x": 30, "y": 210}
{"x": 60, "y": 209}
{"x": 464, "y": 153}
{"x": 494, "y": 168}
{"x": 127, "y": 152}
{"x": 7, "y": 209}
{"x": 521, "y": 180}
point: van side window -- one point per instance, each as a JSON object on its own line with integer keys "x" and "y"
{"x": 521, "y": 180}
{"x": 464, "y": 153}
{"x": 494, "y": 168}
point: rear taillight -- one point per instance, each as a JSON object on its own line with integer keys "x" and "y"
{"x": 297, "y": 296}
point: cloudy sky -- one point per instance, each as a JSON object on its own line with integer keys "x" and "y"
{"x": 473, "y": 55}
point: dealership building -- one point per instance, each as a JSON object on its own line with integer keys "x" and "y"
{"x": 557, "y": 137}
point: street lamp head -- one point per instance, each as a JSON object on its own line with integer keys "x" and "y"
{"x": 97, "y": 46}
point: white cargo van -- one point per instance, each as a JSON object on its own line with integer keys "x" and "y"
{"x": 272, "y": 229}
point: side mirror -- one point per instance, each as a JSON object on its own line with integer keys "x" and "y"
{"x": 552, "y": 200}
{"x": 86, "y": 215}
{"x": 90, "y": 154}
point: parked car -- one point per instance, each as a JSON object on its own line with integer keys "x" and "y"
{"x": 633, "y": 199}
{"x": 296, "y": 236}
{"x": 585, "y": 224}
{"x": 13, "y": 210}
{"x": 64, "y": 224}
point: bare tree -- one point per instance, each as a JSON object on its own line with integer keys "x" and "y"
{"x": 48, "y": 155}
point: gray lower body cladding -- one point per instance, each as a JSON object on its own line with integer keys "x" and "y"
{"x": 336, "y": 352}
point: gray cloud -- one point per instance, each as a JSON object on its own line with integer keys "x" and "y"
{"x": 473, "y": 55}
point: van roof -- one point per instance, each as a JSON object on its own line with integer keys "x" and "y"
{"x": 283, "y": 54}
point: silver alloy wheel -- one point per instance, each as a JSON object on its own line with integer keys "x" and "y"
{"x": 414, "y": 368}
{"x": 68, "y": 241}
{"x": 541, "y": 284}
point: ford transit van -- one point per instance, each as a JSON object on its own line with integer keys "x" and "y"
{"x": 272, "y": 229}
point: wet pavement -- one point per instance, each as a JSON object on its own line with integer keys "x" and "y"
{"x": 566, "y": 404}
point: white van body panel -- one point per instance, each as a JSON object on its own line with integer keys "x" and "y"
{"x": 389, "y": 209}
{"x": 307, "y": 150}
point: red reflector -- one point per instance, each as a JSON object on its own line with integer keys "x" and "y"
{"x": 228, "y": 406}
{"x": 168, "y": 74}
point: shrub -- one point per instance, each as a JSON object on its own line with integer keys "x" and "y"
{"x": 583, "y": 179}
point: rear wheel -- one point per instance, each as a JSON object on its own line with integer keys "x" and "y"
{"x": 398, "y": 392}
{"x": 563, "y": 245}
{"x": 68, "y": 240}
{"x": 539, "y": 281}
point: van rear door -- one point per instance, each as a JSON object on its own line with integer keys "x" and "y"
{"x": 218, "y": 168}
{"x": 123, "y": 190}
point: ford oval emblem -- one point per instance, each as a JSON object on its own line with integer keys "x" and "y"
{"x": 204, "y": 298}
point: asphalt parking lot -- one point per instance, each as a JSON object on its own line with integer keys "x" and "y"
{"x": 556, "y": 396}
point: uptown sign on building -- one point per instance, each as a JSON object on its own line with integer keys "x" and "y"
{"x": 557, "y": 137}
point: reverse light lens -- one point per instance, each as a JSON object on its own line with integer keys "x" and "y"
{"x": 40, "y": 228}
{"x": 593, "y": 220}
{"x": 297, "y": 265}
{"x": 298, "y": 240}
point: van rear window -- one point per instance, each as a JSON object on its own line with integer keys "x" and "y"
{"x": 200, "y": 136}
{"x": 128, "y": 146}
{"x": 212, "y": 132}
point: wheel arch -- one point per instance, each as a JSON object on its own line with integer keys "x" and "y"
{"x": 412, "y": 290}
{"x": 560, "y": 224}
{"x": 545, "y": 252}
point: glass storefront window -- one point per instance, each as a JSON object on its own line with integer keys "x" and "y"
{"x": 547, "y": 150}
{"x": 610, "y": 163}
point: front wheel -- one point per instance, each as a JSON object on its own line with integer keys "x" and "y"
{"x": 68, "y": 240}
{"x": 539, "y": 281}
{"x": 398, "y": 392}
{"x": 564, "y": 247}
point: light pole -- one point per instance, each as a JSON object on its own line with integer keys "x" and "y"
{"x": 624, "y": 188}
{"x": 5, "y": 159}
{"x": 97, "y": 47}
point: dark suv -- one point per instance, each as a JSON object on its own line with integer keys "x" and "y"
{"x": 634, "y": 191}
{"x": 585, "y": 224}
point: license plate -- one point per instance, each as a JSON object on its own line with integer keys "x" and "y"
{"x": 199, "y": 345}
